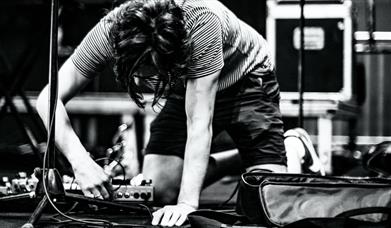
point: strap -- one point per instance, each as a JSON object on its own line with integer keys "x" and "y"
{"x": 214, "y": 219}
{"x": 363, "y": 211}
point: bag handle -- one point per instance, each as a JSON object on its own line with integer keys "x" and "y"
{"x": 363, "y": 211}
{"x": 210, "y": 218}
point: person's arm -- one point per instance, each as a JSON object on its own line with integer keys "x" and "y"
{"x": 91, "y": 57}
{"x": 88, "y": 174}
{"x": 203, "y": 71}
{"x": 200, "y": 100}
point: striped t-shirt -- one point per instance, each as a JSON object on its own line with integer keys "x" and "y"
{"x": 220, "y": 41}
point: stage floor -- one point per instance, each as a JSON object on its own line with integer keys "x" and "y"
{"x": 16, "y": 213}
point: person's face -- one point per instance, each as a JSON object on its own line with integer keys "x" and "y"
{"x": 145, "y": 72}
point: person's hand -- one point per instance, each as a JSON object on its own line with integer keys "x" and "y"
{"x": 172, "y": 215}
{"x": 137, "y": 180}
{"x": 92, "y": 179}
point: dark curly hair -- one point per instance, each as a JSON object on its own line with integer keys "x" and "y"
{"x": 151, "y": 33}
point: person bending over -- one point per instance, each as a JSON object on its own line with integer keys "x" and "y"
{"x": 215, "y": 73}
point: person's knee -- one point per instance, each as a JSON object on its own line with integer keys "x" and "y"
{"x": 166, "y": 193}
{"x": 275, "y": 168}
{"x": 165, "y": 173}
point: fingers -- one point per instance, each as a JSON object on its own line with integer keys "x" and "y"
{"x": 96, "y": 193}
{"x": 181, "y": 220}
{"x": 157, "y": 215}
{"x": 166, "y": 218}
{"x": 137, "y": 180}
{"x": 87, "y": 193}
{"x": 172, "y": 220}
{"x": 104, "y": 192}
{"x": 93, "y": 180}
{"x": 101, "y": 190}
{"x": 170, "y": 216}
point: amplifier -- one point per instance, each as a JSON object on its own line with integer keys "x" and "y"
{"x": 328, "y": 45}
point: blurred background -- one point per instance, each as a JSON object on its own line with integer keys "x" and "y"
{"x": 347, "y": 77}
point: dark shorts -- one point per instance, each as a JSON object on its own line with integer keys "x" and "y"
{"x": 248, "y": 111}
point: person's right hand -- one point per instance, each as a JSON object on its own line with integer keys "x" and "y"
{"x": 92, "y": 179}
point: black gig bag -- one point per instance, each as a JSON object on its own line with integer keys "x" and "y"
{"x": 279, "y": 199}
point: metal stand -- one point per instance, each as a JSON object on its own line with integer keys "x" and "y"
{"x": 301, "y": 65}
{"x": 26, "y": 131}
{"x": 51, "y": 176}
{"x": 50, "y": 186}
{"x": 55, "y": 190}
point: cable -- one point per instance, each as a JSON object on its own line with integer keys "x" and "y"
{"x": 102, "y": 223}
{"x": 94, "y": 222}
{"x": 98, "y": 160}
{"x": 53, "y": 98}
{"x": 66, "y": 212}
{"x": 301, "y": 65}
{"x": 124, "y": 180}
{"x": 118, "y": 163}
{"x": 147, "y": 208}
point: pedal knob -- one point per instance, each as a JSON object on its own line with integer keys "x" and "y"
{"x": 145, "y": 196}
{"x": 119, "y": 194}
{"x": 22, "y": 175}
{"x": 127, "y": 194}
{"x": 5, "y": 179}
{"x": 136, "y": 195}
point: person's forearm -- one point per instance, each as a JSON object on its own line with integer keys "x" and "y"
{"x": 195, "y": 166}
{"x": 65, "y": 137}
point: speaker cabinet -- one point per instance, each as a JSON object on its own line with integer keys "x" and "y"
{"x": 327, "y": 43}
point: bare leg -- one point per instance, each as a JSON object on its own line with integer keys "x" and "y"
{"x": 272, "y": 167}
{"x": 222, "y": 164}
{"x": 166, "y": 172}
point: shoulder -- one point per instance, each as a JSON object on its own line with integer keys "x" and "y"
{"x": 198, "y": 11}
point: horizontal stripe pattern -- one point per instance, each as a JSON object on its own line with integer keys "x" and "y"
{"x": 94, "y": 52}
{"x": 219, "y": 39}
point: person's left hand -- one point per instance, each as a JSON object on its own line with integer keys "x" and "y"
{"x": 172, "y": 215}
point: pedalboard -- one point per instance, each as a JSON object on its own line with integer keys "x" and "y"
{"x": 123, "y": 192}
{"x": 128, "y": 193}
{"x": 20, "y": 184}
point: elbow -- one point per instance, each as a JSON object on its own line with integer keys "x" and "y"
{"x": 199, "y": 127}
